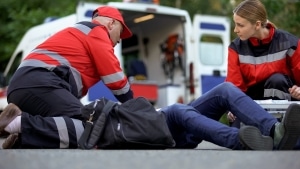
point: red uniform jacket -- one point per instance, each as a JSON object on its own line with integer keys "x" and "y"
{"x": 253, "y": 61}
{"x": 88, "y": 52}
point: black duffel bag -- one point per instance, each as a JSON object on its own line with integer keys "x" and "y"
{"x": 134, "y": 124}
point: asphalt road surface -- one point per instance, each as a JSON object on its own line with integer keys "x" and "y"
{"x": 206, "y": 155}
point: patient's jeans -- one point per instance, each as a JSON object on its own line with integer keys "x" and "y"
{"x": 198, "y": 121}
{"x": 189, "y": 124}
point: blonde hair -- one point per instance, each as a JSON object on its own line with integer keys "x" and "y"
{"x": 253, "y": 11}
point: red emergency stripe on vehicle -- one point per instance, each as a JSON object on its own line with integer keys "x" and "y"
{"x": 3, "y": 92}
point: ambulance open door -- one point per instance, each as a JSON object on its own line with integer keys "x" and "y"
{"x": 211, "y": 40}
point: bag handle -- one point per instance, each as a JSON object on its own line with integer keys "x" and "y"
{"x": 93, "y": 131}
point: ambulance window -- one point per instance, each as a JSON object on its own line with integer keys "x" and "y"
{"x": 211, "y": 50}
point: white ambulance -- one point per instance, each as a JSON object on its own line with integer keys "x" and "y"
{"x": 176, "y": 59}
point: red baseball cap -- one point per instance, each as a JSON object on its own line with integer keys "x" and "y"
{"x": 114, "y": 13}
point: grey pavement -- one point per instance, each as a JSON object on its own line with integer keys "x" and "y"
{"x": 206, "y": 155}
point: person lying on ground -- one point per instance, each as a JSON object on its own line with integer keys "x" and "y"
{"x": 189, "y": 124}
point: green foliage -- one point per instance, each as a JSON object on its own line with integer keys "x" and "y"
{"x": 17, "y": 17}
{"x": 284, "y": 14}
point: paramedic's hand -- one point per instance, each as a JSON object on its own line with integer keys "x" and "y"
{"x": 230, "y": 117}
{"x": 295, "y": 92}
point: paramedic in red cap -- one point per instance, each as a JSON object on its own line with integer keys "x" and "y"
{"x": 113, "y": 13}
{"x": 52, "y": 79}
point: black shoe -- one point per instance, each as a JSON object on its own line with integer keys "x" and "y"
{"x": 252, "y": 139}
{"x": 287, "y": 132}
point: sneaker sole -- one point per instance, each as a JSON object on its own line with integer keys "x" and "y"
{"x": 252, "y": 139}
{"x": 292, "y": 128}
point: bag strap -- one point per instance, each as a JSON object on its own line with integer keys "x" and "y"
{"x": 108, "y": 107}
{"x": 93, "y": 131}
{"x": 87, "y": 130}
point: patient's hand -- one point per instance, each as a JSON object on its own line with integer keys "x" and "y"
{"x": 295, "y": 92}
{"x": 230, "y": 117}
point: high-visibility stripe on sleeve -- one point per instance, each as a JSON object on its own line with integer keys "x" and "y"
{"x": 247, "y": 59}
{"x": 124, "y": 90}
{"x": 116, "y": 77}
{"x": 112, "y": 78}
